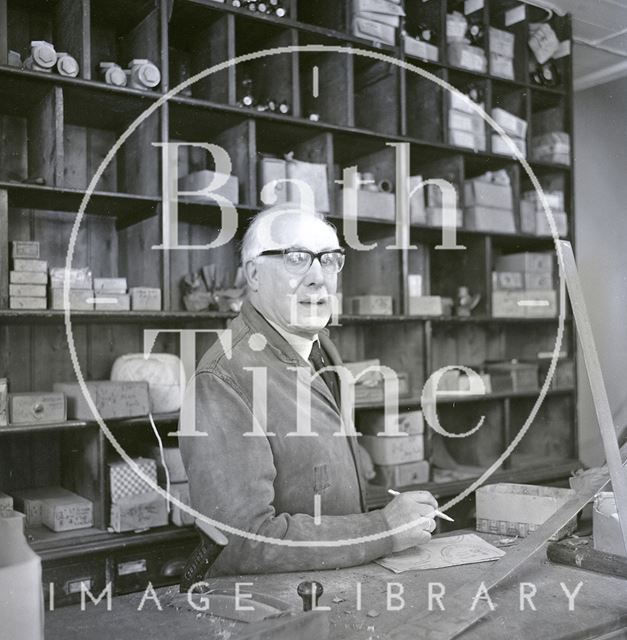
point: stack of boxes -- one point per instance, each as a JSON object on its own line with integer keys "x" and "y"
{"x": 111, "y": 294}
{"x": 552, "y": 147}
{"x": 523, "y": 286}
{"x": 134, "y": 503}
{"x": 466, "y": 127}
{"x": 399, "y": 459}
{"x": 55, "y": 507}
{"x": 81, "y": 293}
{"x": 370, "y": 385}
{"x": 28, "y": 279}
{"x": 489, "y": 203}
{"x": 533, "y": 219}
{"x": 175, "y": 481}
{"x": 460, "y": 52}
{"x": 502, "y": 53}
{"x": 377, "y": 20}
{"x": 515, "y": 128}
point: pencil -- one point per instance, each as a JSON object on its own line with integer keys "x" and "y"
{"x": 392, "y": 492}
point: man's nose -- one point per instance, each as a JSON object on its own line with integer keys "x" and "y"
{"x": 315, "y": 274}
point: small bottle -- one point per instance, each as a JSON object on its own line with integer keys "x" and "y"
{"x": 475, "y": 93}
{"x": 21, "y": 602}
{"x": 284, "y": 107}
{"x": 475, "y": 34}
{"x": 279, "y": 12}
{"x": 248, "y": 99}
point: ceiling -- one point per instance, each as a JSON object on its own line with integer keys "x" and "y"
{"x": 600, "y": 38}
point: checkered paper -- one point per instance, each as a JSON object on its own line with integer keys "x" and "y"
{"x": 125, "y": 482}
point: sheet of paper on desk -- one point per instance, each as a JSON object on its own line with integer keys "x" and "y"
{"x": 442, "y": 552}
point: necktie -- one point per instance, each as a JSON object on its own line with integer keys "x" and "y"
{"x": 318, "y": 361}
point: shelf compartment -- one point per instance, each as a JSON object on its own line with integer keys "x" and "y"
{"x": 91, "y": 130}
{"x": 273, "y": 76}
{"x": 425, "y": 106}
{"x": 323, "y": 13}
{"x": 63, "y": 23}
{"x": 67, "y": 458}
{"x": 201, "y": 37}
{"x": 333, "y": 102}
{"x": 30, "y": 120}
{"x": 499, "y": 9}
{"x": 122, "y": 31}
{"x": 377, "y": 93}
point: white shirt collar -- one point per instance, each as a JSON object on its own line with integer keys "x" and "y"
{"x": 301, "y": 345}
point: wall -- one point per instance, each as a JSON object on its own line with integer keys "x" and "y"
{"x": 601, "y": 247}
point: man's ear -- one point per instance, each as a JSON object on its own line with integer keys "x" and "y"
{"x": 252, "y": 275}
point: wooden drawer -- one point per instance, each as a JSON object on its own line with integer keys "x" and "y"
{"x": 132, "y": 570}
{"x": 67, "y": 576}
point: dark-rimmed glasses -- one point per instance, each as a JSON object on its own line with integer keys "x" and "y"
{"x": 298, "y": 261}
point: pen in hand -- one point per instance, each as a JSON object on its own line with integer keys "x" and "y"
{"x": 392, "y": 492}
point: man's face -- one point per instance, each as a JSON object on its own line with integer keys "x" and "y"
{"x": 298, "y": 303}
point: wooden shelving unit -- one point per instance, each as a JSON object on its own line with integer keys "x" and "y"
{"x": 60, "y": 129}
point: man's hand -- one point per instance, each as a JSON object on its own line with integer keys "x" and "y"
{"x": 411, "y": 506}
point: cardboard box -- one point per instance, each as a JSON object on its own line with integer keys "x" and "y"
{"x": 420, "y": 49}
{"x": 430, "y": 306}
{"x": 606, "y": 531}
{"x": 374, "y": 205}
{"x": 376, "y": 394}
{"x": 270, "y": 169}
{"x": 26, "y": 264}
{"x": 528, "y": 261}
{"x": 461, "y": 54}
{"x": 540, "y": 304}
{"x": 80, "y": 299}
{"x": 6, "y": 504}
{"x": 37, "y": 408}
{"x": 105, "y": 301}
{"x": 490, "y": 219}
{"x": 136, "y": 512}
{"x": 484, "y": 193}
{"x": 507, "y": 281}
{"x": 314, "y": 175}
{"x": 384, "y": 7}
{"x": 542, "y": 224}
{"x": 460, "y": 120}
{"x": 409, "y": 422}
{"x": 505, "y": 304}
{"x": 200, "y": 181}
{"x": 394, "y": 449}
{"x": 417, "y": 213}
{"x": 551, "y": 147}
{"x": 371, "y": 305}
{"x": 402, "y": 475}
{"x": 29, "y": 501}
{"x": 563, "y": 376}
{"x": 500, "y": 145}
{"x": 372, "y": 30}
{"x": 435, "y": 217}
{"x": 519, "y": 509}
{"x": 461, "y": 103}
{"x": 124, "y": 481}
{"x": 527, "y": 218}
{"x": 456, "y": 26}
{"x": 555, "y": 200}
{"x": 145, "y": 299}
{"x": 27, "y": 303}
{"x": 66, "y": 513}
{"x": 414, "y": 285}
{"x": 173, "y": 461}
{"x": 110, "y": 285}
{"x": 178, "y": 517}
{"x": 392, "y": 21}
{"x": 501, "y": 66}
{"x": 25, "y": 249}
{"x": 538, "y": 281}
{"x": 513, "y": 376}
{"x": 4, "y": 402}
{"x": 461, "y": 138}
{"x": 79, "y": 278}
{"x": 27, "y": 290}
{"x": 28, "y": 277}
{"x": 434, "y": 196}
{"x": 515, "y": 126}
{"x": 502, "y": 42}
{"x": 112, "y": 399}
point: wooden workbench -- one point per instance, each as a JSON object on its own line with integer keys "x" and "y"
{"x": 600, "y": 607}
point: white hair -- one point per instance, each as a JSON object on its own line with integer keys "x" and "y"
{"x": 253, "y": 243}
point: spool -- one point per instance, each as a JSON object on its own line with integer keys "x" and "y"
{"x": 385, "y": 186}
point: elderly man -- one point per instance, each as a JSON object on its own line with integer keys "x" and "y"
{"x": 266, "y": 484}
